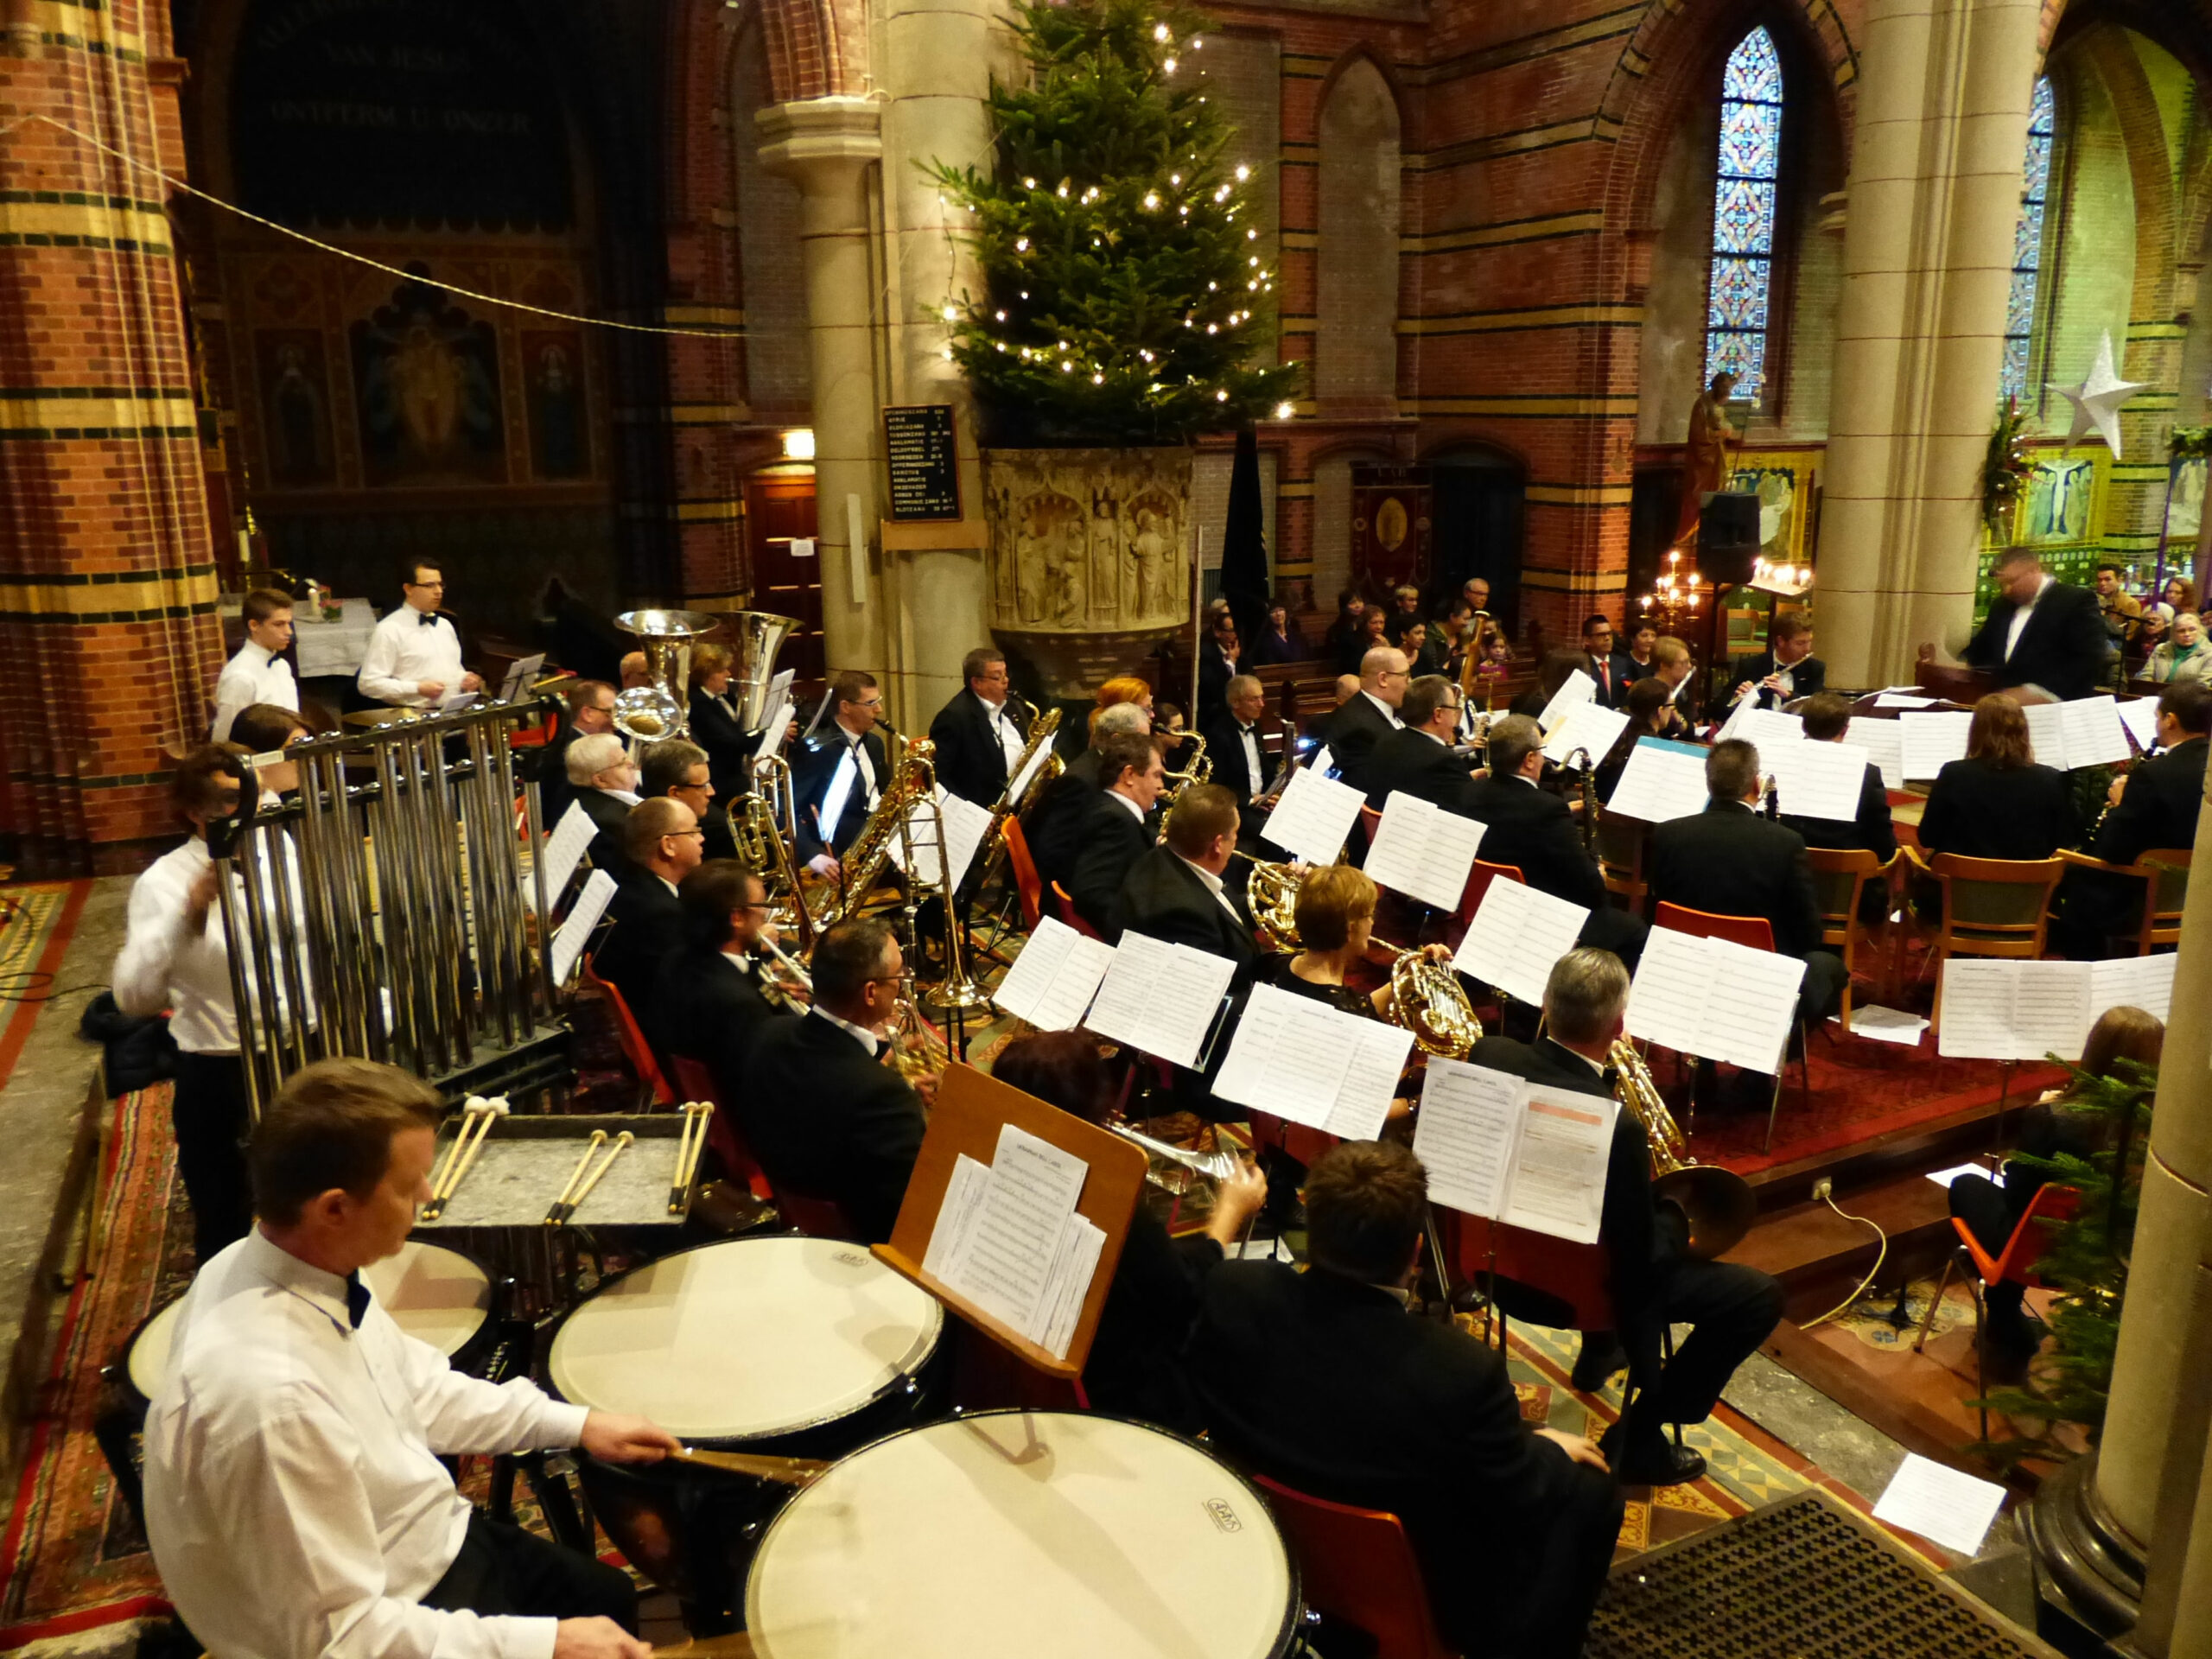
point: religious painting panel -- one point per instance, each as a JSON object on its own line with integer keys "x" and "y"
{"x": 293, "y": 376}
{"x": 553, "y": 384}
{"x": 2063, "y": 504}
{"x": 1784, "y": 481}
{"x": 426, "y": 386}
{"x": 1391, "y": 519}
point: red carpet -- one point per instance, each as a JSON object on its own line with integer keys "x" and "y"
{"x": 34, "y": 934}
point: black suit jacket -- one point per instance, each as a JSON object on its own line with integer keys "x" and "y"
{"x": 1162, "y": 896}
{"x": 1873, "y": 830}
{"x": 828, "y": 1121}
{"x": 555, "y": 792}
{"x": 2061, "y": 648}
{"x": 1808, "y": 676}
{"x": 1730, "y": 861}
{"x": 1980, "y": 810}
{"x": 1332, "y": 1387}
{"x": 610, "y": 817}
{"x": 1215, "y": 672}
{"x": 1055, "y": 822}
{"x": 811, "y": 776}
{"x": 1353, "y": 732}
{"x": 1417, "y": 764}
{"x": 1615, "y": 679}
{"x": 969, "y": 760}
{"x": 1225, "y": 748}
{"x": 648, "y": 926}
{"x": 1532, "y": 828}
{"x": 1109, "y": 839}
{"x": 2158, "y": 808}
{"x": 706, "y": 1009}
{"x": 730, "y": 746}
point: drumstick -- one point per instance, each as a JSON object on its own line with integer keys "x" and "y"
{"x": 474, "y": 1126}
{"x": 694, "y": 1141}
{"x": 493, "y": 1110}
{"x": 452, "y": 1154}
{"x": 591, "y": 1180}
{"x": 553, "y": 1215}
{"x": 790, "y": 1471}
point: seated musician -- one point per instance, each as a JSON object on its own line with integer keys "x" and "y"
{"x": 840, "y": 773}
{"x": 1827, "y": 717}
{"x": 1646, "y": 704}
{"x": 1672, "y": 667}
{"x": 1323, "y": 1381}
{"x": 1114, "y": 832}
{"x": 1055, "y": 823}
{"x": 1335, "y": 912}
{"x": 1653, "y": 1282}
{"x": 1730, "y": 860}
{"x": 709, "y": 1004}
{"x": 2150, "y": 809}
{"x": 1783, "y": 672}
{"x": 980, "y": 732}
{"x": 1238, "y": 742}
{"x": 268, "y": 728}
{"x": 1136, "y": 1363}
{"x": 660, "y": 846}
{"x": 1370, "y": 715}
{"x": 603, "y": 781}
{"x": 1998, "y": 803}
{"x": 294, "y": 1499}
{"x": 1417, "y": 758}
{"x": 1533, "y": 830}
{"x": 590, "y": 711}
{"x": 820, "y": 1109}
{"x": 716, "y": 725}
{"x": 677, "y": 769}
{"x": 634, "y": 671}
{"x": 1174, "y": 891}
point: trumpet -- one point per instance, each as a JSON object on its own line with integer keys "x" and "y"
{"x": 1717, "y": 1204}
{"x": 1220, "y": 1164}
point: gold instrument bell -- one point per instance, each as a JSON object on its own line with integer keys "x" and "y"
{"x": 1717, "y": 1204}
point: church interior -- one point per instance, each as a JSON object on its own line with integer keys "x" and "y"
{"x": 632, "y": 590}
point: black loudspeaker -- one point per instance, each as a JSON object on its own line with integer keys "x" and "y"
{"x": 1728, "y": 538}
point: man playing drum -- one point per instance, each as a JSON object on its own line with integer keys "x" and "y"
{"x": 294, "y": 1497}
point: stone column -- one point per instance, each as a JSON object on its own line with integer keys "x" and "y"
{"x": 827, "y": 145}
{"x": 1933, "y": 201}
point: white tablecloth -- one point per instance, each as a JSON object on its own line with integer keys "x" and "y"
{"x": 334, "y": 647}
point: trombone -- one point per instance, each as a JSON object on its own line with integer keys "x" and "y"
{"x": 1717, "y": 1204}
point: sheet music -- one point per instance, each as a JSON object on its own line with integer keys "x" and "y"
{"x": 520, "y": 677}
{"x": 2140, "y": 716}
{"x": 1517, "y": 936}
{"x": 2047, "y": 734}
{"x": 1750, "y": 1004}
{"x": 1943, "y": 1504}
{"x": 1323, "y": 762}
{"x": 1904, "y": 699}
{"x": 1287, "y": 1056}
{"x": 1559, "y": 1165}
{"x": 1074, "y": 1265}
{"x": 1378, "y": 1050}
{"x": 966, "y": 824}
{"x": 1733, "y": 726}
{"x": 1659, "y": 783}
{"x": 1578, "y": 688}
{"x": 1820, "y": 780}
{"x": 956, "y": 1216}
{"x": 842, "y": 781}
{"x": 1589, "y": 726}
{"x": 1005, "y": 1259}
{"x": 1314, "y": 817}
{"x": 1159, "y": 998}
{"x": 563, "y": 848}
{"x": 2017, "y": 1010}
{"x": 1885, "y": 746}
{"x": 1666, "y": 999}
{"x": 1465, "y": 1134}
{"x": 583, "y": 916}
{"x": 2145, "y": 982}
{"x": 1422, "y": 849}
{"x": 772, "y": 729}
{"x": 1018, "y": 785}
{"x": 1054, "y": 978}
{"x": 2051, "y": 1009}
{"x": 1929, "y": 742}
{"x": 1977, "y": 1011}
{"x": 2095, "y": 736}
{"x": 1771, "y": 730}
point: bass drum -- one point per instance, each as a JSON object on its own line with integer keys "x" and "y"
{"x": 792, "y": 1347}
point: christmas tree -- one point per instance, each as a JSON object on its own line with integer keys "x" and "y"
{"x": 1126, "y": 292}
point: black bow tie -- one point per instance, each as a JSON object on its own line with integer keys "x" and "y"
{"x": 357, "y": 1299}
{"x": 426, "y": 618}
{"x": 1248, "y": 730}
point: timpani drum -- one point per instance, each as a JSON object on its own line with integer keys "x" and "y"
{"x": 788, "y": 1346}
{"x": 1016, "y": 1534}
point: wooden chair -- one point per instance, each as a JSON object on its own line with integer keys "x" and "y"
{"x": 1621, "y": 844}
{"x": 635, "y": 1048}
{"x": 1027, "y": 882}
{"x": 1840, "y": 878}
{"x": 698, "y": 1083}
{"x": 1754, "y": 933}
{"x": 1992, "y": 907}
{"x": 2015, "y": 1264}
{"x": 1069, "y": 914}
{"x": 2163, "y": 872}
{"x": 1358, "y": 1565}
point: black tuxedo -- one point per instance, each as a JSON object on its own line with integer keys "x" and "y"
{"x": 1332, "y": 1387}
{"x": 1109, "y": 839}
{"x": 612, "y": 817}
{"x": 811, "y": 776}
{"x": 730, "y": 746}
{"x": 708, "y": 1008}
{"x": 648, "y": 926}
{"x": 970, "y": 762}
{"x": 1215, "y": 672}
{"x": 1984, "y": 812}
{"x": 2061, "y": 648}
{"x": 1225, "y": 748}
{"x": 1416, "y": 764}
{"x": 828, "y": 1121}
{"x": 2158, "y": 807}
{"x": 1055, "y": 822}
{"x": 1163, "y": 896}
{"x": 1873, "y": 830}
{"x": 1729, "y": 860}
{"x": 1137, "y": 1363}
{"x": 1532, "y": 829}
{"x": 1809, "y": 676}
{"x": 555, "y": 792}
{"x": 1353, "y": 732}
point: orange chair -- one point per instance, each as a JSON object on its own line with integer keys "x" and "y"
{"x": 1069, "y": 914}
{"x": 1622, "y": 846}
{"x": 1840, "y": 878}
{"x": 635, "y": 1048}
{"x": 698, "y": 1083}
{"x": 2015, "y": 1265}
{"x": 1358, "y": 1565}
{"x": 1754, "y": 933}
{"x": 1027, "y": 881}
{"x": 1480, "y": 874}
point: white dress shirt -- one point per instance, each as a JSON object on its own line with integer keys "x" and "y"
{"x": 861, "y": 1034}
{"x": 2020, "y": 615}
{"x": 1011, "y": 742}
{"x": 255, "y": 675}
{"x": 408, "y": 647}
{"x": 164, "y": 964}
{"x": 294, "y": 1501}
{"x": 1388, "y": 713}
{"x": 1250, "y": 737}
{"x": 1135, "y": 811}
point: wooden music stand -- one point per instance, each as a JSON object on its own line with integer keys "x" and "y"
{"x": 1953, "y": 683}
{"x": 971, "y": 1110}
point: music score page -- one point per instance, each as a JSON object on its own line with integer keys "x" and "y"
{"x": 1517, "y": 936}
{"x": 1054, "y": 978}
{"x": 1661, "y": 782}
{"x": 583, "y": 916}
{"x": 1715, "y": 999}
{"x": 1927, "y": 743}
{"x": 1314, "y": 817}
{"x": 1589, "y": 726}
{"x": 1885, "y": 746}
{"x": 1524, "y": 1154}
{"x": 563, "y": 848}
{"x": 1308, "y": 1062}
{"x": 1424, "y": 851}
{"x": 1999, "y": 1010}
{"x": 1820, "y": 780}
{"x": 1003, "y": 1241}
{"x": 1160, "y": 998}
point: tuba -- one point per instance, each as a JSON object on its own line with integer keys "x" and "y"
{"x": 1717, "y": 1204}
{"x": 659, "y": 711}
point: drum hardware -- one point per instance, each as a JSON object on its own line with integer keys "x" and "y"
{"x": 570, "y": 1205}
{"x": 561, "y": 1205}
{"x": 479, "y": 1115}
{"x": 796, "y": 1472}
{"x": 1717, "y": 1204}
{"x": 695, "y": 1112}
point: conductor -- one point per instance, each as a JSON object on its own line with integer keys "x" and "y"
{"x": 2041, "y": 634}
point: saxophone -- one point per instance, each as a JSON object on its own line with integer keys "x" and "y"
{"x": 912, "y": 780}
{"x": 1200, "y": 770}
{"x": 1717, "y": 1204}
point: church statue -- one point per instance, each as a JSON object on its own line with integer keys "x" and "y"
{"x": 1705, "y": 453}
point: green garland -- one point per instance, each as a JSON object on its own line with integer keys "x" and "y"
{"x": 2004, "y": 470}
{"x": 2189, "y": 442}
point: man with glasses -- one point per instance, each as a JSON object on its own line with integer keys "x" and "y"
{"x": 662, "y": 841}
{"x": 680, "y": 771}
{"x": 708, "y": 1003}
{"x": 1604, "y": 662}
{"x": 823, "y": 1113}
{"x": 841, "y": 773}
{"x": 1370, "y": 715}
{"x": 980, "y": 732}
{"x": 1417, "y": 758}
{"x": 414, "y": 656}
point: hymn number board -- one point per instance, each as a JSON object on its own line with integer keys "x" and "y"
{"x": 923, "y": 449}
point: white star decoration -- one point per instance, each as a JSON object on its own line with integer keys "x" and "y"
{"x": 2096, "y": 401}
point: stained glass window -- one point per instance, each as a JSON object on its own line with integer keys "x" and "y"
{"x": 1736, "y": 310}
{"x": 2027, "y": 241}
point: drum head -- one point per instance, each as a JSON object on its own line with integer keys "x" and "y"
{"x": 745, "y": 1339}
{"x": 1024, "y": 1536}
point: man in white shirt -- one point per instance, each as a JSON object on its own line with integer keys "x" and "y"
{"x": 842, "y": 773}
{"x": 978, "y": 737}
{"x": 414, "y": 656}
{"x": 294, "y": 1498}
{"x": 257, "y": 673}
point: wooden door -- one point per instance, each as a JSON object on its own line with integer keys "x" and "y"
{"x": 778, "y": 510}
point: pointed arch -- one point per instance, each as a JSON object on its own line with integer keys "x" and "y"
{"x": 1747, "y": 181}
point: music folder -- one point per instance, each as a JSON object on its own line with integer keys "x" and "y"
{"x": 1312, "y": 816}
{"x": 1502, "y": 1147}
{"x": 1423, "y": 851}
{"x": 1517, "y": 936}
{"x": 1661, "y": 782}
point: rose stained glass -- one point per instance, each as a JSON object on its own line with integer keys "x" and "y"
{"x": 1744, "y": 196}
{"x": 2027, "y": 242}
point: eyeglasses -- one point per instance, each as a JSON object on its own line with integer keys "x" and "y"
{"x": 699, "y": 833}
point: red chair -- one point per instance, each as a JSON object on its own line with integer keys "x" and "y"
{"x": 1754, "y": 933}
{"x": 1027, "y": 882}
{"x": 1479, "y": 876}
{"x": 1358, "y": 1565}
{"x": 698, "y": 1083}
{"x": 1069, "y": 914}
{"x": 2014, "y": 1265}
{"x": 635, "y": 1048}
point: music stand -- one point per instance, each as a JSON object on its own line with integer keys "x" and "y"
{"x": 971, "y": 1110}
